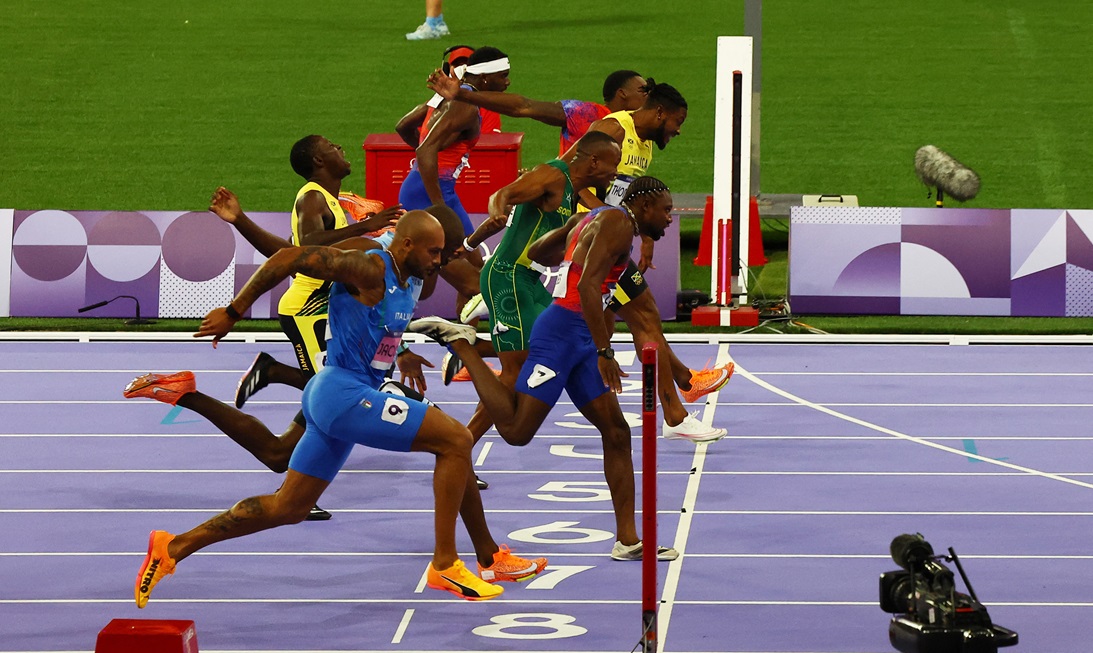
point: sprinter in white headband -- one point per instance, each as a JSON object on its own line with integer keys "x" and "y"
{"x": 487, "y": 70}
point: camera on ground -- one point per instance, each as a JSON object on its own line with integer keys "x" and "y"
{"x": 933, "y": 616}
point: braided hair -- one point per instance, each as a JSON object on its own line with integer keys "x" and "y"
{"x": 663, "y": 95}
{"x": 644, "y": 186}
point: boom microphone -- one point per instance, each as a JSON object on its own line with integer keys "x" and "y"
{"x": 937, "y": 169}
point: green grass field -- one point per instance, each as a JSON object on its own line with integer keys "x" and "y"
{"x": 122, "y": 105}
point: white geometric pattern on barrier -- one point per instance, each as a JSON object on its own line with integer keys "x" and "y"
{"x": 888, "y": 215}
{"x": 181, "y": 298}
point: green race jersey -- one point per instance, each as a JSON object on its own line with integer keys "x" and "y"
{"x": 528, "y": 222}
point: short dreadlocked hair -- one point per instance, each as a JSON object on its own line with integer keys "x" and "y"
{"x": 644, "y": 186}
{"x": 663, "y": 95}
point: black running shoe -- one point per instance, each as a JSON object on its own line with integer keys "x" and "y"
{"x": 482, "y": 485}
{"x": 254, "y": 379}
{"x": 449, "y": 367}
{"x": 318, "y": 514}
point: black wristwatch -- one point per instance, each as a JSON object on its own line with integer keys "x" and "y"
{"x": 607, "y": 353}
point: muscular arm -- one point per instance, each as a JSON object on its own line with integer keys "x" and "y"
{"x": 457, "y": 118}
{"x": 354, "y": 268}
{"x": 409, "y": 125}
{"x": 544, "y": 185}
{"x": 549, "y": 249}
{"x": 609, "y": 244}
{"x": 314, "y": 219}
{"x": 507, "y": 104}
{"x": 226, "y": 206}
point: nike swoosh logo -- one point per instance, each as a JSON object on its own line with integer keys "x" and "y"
{"x": 156, "y": 390}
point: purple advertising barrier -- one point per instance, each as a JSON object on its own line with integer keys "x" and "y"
{"x": 176, "y": 264}
{"x": 917, "y": 261}
{"x": 183, "y": 264}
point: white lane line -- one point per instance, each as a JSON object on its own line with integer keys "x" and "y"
{"x": 401, "y": 630}
{"x": 482, "y": 455}
{"x": 903, "y": 436}
{"x": 671, "y": 581}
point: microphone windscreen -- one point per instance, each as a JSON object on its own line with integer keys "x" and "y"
{"x": 907, "y": 549}
{"x": 937, "y": 169}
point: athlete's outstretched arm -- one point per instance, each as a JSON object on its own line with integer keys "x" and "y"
{"x": 316, "y": 221}
{"x": 355, "y": 268}
{"x": 507, "y": 104}
{"x": 225, "y": 205}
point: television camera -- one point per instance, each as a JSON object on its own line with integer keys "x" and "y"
{"x": 933, "y": 616}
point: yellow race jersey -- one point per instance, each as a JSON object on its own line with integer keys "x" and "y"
{"x": 637, "y": 154}
{"x": 307, "y": 295}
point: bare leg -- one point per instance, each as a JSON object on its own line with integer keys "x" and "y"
{"x": 511, "y": 362}
{"x": 287, "y": 375}
{"x": 432, "y": 8}
{"x": 643, "y": 319}
{"x": 246, "y": 430}
{"x": 451, "y": 443}
{"x": 618, "y": 464}
{"x": 516, "y": 415}
{"x": 289, "y": 505}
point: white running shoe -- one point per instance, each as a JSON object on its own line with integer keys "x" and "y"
{"x": 633, "y": 552}
{"x": 694, "y": 430}
{"x": 474, "y": 309}
{"x": 442, "y": 330}
{"x": 424, "y": 32}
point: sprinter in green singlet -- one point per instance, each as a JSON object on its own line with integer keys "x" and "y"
{"x": 538, "y": 202}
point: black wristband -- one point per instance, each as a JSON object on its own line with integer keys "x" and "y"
{"x": 232, "y": 313}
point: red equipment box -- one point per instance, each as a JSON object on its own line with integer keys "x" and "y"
{"x": 494, "y": 162}
{"x": 147, "y": 636}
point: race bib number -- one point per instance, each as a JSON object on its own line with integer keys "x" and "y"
{"x": 395, "y": 411}
{"x": 563, "y": 277}
{"x": 618, "y": 189}
{"x": 386, "y": 351}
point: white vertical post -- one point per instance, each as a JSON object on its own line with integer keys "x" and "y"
{"x": 734, "y": 53}
{"x": 7, "y": 230}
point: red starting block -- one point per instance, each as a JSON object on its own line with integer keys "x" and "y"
{"x": 147, "y": 636}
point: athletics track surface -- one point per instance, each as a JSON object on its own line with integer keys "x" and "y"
{"x": 834, "y": 449}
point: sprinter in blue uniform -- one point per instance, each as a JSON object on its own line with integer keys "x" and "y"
{"x": 371, "y": 302}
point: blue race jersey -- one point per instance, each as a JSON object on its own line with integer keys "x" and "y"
{"x": 365, "y": 339}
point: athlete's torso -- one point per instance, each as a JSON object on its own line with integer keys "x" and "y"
{"x": 566, "y": 293}
{"x": 364, "y": 339}
{"x": 453, "y": 159}
{"x": 637, "y": 154}
{"x": 307, "y": 295}
{"x": 528, "y": 222}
